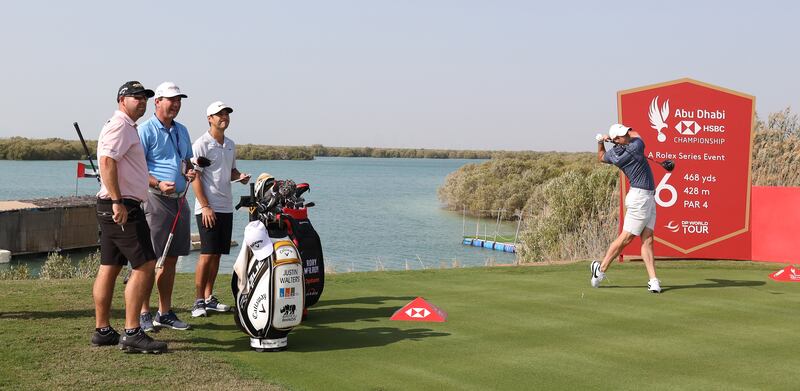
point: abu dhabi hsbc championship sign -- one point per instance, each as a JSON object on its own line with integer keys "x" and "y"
{"x": 703, "y": 205}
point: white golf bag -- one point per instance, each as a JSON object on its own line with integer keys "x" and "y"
{"x": 268, "y": 288}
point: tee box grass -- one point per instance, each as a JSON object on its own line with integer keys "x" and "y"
{"x": 717, "y": 325}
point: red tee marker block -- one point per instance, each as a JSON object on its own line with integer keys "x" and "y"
{"x": 787, "y": 274}
{"x": 419, "y": 310}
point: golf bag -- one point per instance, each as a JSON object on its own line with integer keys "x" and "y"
{"x": 270, "y": 274}
{"x": 267, "y": 285}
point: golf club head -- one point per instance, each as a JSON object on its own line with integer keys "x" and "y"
{"x": 301, "y": 188}
{"x": 263, "y": 184}
{"x": 668, "y": 165}
{"x": 310, "y": 204}
{"x": 287, "y": 188}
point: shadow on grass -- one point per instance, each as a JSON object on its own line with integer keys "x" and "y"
{"x": 315, "y": 333}
{"x": 305, "y": 340}
{"x": 714, "y": 283}
{"x": 335, "y": 338}
{"x": 365, "y": 300}
{"x": 69, "y": 314}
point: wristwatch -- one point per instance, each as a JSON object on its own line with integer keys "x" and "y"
{"x": 116, "y": 201}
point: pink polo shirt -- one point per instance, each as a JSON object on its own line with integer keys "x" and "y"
{"x": 119, "y": 140}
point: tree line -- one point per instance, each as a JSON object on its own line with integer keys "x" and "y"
{"x": 21, "y": 148}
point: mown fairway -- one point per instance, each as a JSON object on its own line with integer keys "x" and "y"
{"x": 717, "y": 325}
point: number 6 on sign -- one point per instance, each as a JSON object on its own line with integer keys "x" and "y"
{"x": 663, "y": 185}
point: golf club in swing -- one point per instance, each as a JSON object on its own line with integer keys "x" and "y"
{"x": 200, "y": 161}
{"x": 668, "y": 164}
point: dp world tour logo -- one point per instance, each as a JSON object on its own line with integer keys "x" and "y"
{"x": 694, "y": 227}
{"x": 672, "y": 226}
{"x": 658, "y": 118}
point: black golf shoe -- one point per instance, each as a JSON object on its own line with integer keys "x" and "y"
{"x": 141, "y": 343}
{"x": 110, "y": 338}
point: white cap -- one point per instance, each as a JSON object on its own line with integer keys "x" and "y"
{"x": 617, "y": 130}
{"x": 256, "y": 237}
{"x": 168, "y": 89}
{"x": 216, "y": 107}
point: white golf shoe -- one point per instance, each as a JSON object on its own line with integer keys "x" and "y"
{"x": 597, "y": 275}
{"x": 654, "y": 285}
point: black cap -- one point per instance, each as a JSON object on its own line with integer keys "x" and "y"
{"x": 132, "y": 88}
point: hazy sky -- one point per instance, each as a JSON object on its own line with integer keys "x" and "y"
{"x": 428, "y": 74}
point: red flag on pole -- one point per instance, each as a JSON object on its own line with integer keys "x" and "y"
{"x": 82, "y": 172}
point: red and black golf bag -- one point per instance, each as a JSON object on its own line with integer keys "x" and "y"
{"x": 307, "y": 240}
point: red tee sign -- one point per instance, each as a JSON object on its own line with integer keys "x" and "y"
{"x": 787, "y": 274}
{"x": 419, "y": 310}
{"x": 703, "y": 205}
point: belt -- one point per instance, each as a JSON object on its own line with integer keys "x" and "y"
{"x": 650, "y": 192}
{"x": 125, "y": 201}
{"x": 162, "y": 194}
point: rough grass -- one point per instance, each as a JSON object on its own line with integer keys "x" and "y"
{"x": 718, "y": 325}
{"x": 46, "y": 326}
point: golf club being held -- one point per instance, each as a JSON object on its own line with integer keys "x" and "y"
{"x": 200, "y": 161}
{"x": 668, "y": 164}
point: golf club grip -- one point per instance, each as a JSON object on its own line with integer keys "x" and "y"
{"x": 160, "y": 263}
{"x": 86, "y": 149}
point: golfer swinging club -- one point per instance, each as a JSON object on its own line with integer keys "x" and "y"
{"x": 640, "y": 205}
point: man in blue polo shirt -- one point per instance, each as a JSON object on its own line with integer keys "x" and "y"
{"x": 167, "y": 146}
{"x": 640, "y": 205}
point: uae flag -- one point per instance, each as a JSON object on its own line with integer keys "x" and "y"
{"x": 84, "y": 172}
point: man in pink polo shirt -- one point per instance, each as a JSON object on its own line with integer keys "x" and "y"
{"x": 124, "y": 234}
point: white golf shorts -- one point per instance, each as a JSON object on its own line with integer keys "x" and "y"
{"x": 640, "y": 211}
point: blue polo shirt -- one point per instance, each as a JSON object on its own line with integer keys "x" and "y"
{"x": 164, "y": 149}
{"x": 630, "y": 159}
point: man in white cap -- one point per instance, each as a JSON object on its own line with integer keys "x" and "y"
{"x": 640, "y": 215}
{"x": 213, "y": 207}
{"x": 167, "y": 146}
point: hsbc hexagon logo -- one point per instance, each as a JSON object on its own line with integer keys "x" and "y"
{"x": 416, "y": 312}
{"x": 687, "y": 128}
